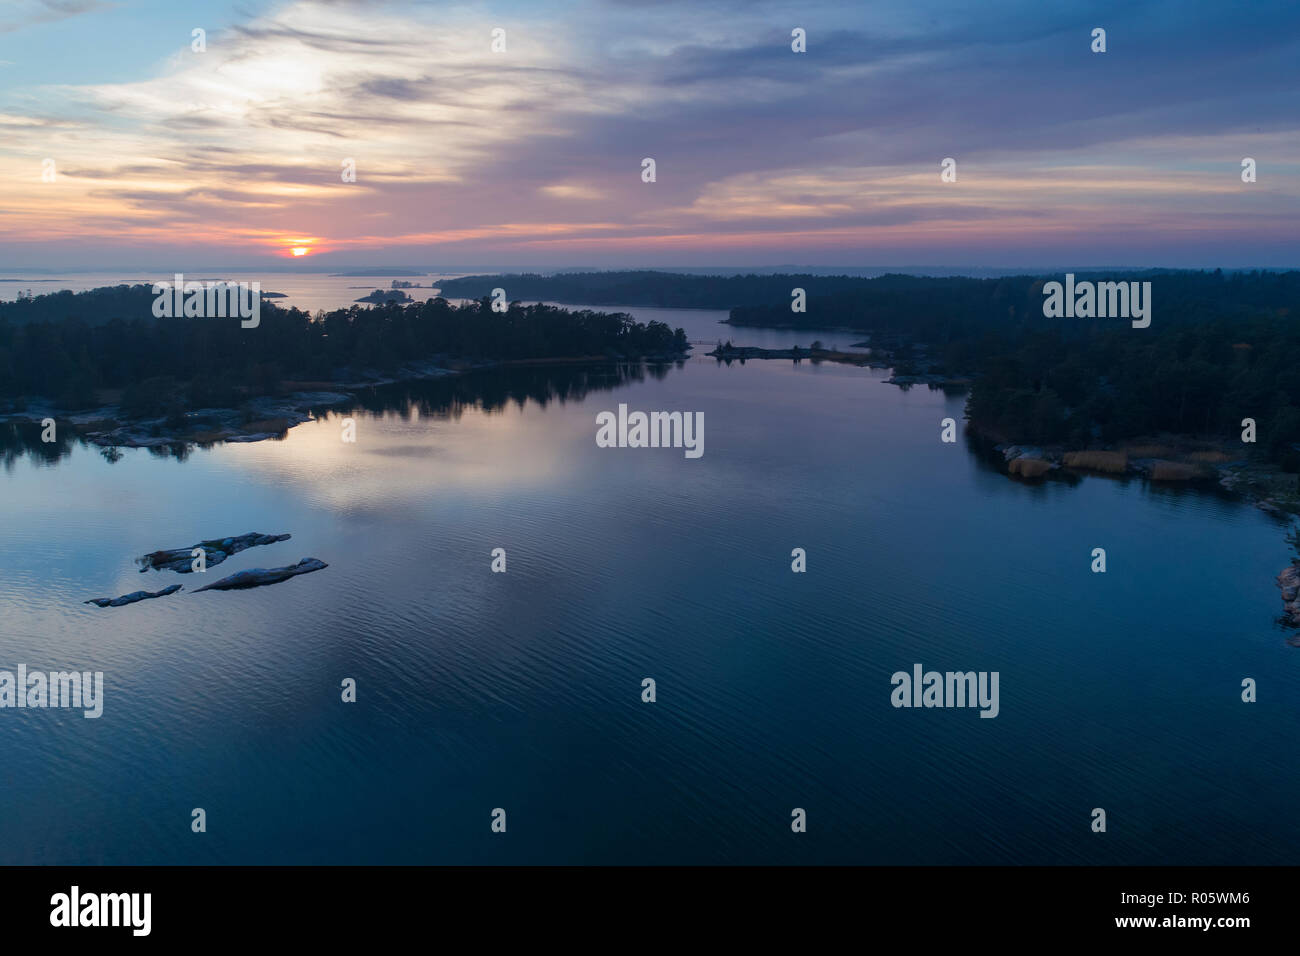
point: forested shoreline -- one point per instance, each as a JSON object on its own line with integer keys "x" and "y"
{"x": 1221, "y": 348}
{"x": 68, "y": 347}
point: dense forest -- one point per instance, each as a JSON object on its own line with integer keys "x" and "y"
{"x": 940, "y": 308}
{"x": 64, "y": 346}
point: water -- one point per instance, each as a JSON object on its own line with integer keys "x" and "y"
{"x": 522, "y": 690}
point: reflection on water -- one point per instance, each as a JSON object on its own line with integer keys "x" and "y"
{"x": 489, "y": 390}
{"x": 522, "y": 690}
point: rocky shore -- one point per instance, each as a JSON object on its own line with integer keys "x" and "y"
{"x": 918, "y": 372}
{"x": 1167, "y": 459}
{"x": 258, "y": 419}
{"x": 1289, "y": 582}
{"x": 263, "y": 417}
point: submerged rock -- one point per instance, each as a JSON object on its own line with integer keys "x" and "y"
{"x": 256, "y": 577}
{"x": 215, "y": 551}
{"x": 133, "y": 597}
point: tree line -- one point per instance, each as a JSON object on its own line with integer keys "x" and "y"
{"x": 1222, "y": 347}
{"x": 67, "y": 346}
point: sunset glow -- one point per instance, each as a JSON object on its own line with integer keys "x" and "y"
{"x": 335, "y": 118}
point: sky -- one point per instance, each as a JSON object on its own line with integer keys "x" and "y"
{"x": 168, "y": 158}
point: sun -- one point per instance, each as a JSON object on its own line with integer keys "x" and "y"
{"x": 297, "y": 246}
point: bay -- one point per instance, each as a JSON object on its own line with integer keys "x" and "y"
{"x": 523, "y": 690}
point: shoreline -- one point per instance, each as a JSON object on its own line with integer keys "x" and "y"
{"x": 1191, "y": 461}
{"x": 264, "y": 417}
{"x": 919, "y": 371}
{"x": 1169, "y": 460}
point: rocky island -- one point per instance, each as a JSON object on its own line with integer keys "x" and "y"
{"x": 384, "y": 296}
{"x": 181, "y": 560}
{"x": 133, "y": 597}
{"x": 215, "y": 551}
{"x": 1289, "y": 582}
{"x": 257, "y": 577}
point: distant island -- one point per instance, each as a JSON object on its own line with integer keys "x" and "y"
{"x": 385, "y": 296}
{"x": 726, "y": 352}
{"x": 373, "y": 273}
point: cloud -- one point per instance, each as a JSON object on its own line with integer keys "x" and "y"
{"x": 754, "y": 144}
{"x": 25, "y": 13}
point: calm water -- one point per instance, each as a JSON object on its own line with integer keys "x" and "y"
{"x": 522, "y": 690}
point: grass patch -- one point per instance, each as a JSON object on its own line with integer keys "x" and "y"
{"x": 1029, "y": 467}
{"x": 1174, "y": 471}
{"x": 1149, "y": 451}
{"x": 1111, "y": 462}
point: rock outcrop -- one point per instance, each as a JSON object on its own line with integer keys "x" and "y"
{"x": 133, "y": 597}
{"x": 181, "y": 560}
{"x": 256, "y": 577}
{"x": 1289, "y": 582}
